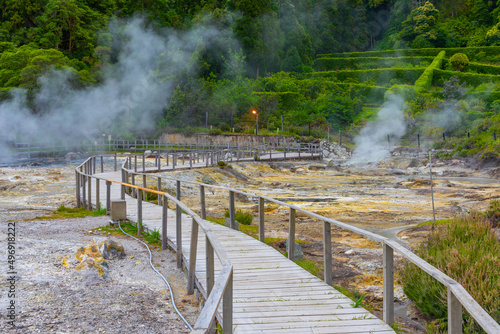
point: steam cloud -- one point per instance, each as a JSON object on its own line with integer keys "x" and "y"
{"x": 372, "y": 145}
{"x": 129, "y": 95}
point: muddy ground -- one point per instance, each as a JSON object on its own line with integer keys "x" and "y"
{"x": 387, "y": 198}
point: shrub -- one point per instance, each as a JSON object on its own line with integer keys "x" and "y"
{"x": 241, "y": 217}
{"x": 472, "y": 79}
{"x": 459, "y": 61}
{"x": 214, "y": 132}
{"x": 225, "y": 127}
{"x": 363, "y": 63}
{"x": 490, "y": 51}
{"x": 425, "y": 80}
{"x": 467, "y": 251}
{"x": 379, "y": 76}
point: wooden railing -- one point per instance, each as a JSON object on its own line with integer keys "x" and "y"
{"x": 457, "y": 296}
{"x": 217, "y": 290}
{"x": 457, "y": 299}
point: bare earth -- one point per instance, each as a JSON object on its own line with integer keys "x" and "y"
{"x": 51, "y": 298}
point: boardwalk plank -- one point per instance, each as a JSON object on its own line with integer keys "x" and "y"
{"x": 271, "y": 294}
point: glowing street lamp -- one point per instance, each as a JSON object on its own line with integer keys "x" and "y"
{"x": 256, "y": 121}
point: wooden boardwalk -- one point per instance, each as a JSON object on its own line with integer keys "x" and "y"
{"x": 271, "y": 294}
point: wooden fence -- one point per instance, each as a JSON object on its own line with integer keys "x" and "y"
{"x": 457, "y": 296}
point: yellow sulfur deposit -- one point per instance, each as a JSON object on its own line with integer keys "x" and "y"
{"x": 90, "y": 257}
{"x": 91, "y": 251}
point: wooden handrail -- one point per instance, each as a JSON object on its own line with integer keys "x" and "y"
{"x": 222, "y": 289}
{"x": 458, "y": 297}
{"x": 463, "y": 297}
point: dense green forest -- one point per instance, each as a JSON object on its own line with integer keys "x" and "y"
{"x": 309, "y": 67}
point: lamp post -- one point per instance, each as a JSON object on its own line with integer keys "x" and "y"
{"x": 256, "y": 121}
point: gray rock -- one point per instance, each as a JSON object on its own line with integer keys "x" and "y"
{"x": 316, "y": 167}
{"x": 111, "y": 249}
{"x": 298, "y": 254}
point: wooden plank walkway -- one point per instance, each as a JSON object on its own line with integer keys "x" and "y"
{"x": 271, "y": 294}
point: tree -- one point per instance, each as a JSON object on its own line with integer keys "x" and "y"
{"x": 292, "y": 62}
{"x": 68, "y": 25}
{"x": 459, "y": 61}
{"x": 421, "y": 23}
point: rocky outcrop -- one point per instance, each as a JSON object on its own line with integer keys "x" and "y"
{"x": 334, "y": 150}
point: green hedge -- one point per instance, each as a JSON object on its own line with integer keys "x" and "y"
{"x": 379, "y": 77}
{"x": 471, "y": 52}
{"x": 425, "y": 80}
{"x": 366, "y": 93}
{"x": 362, "y": 63}
{"x": 483, "y": 69}
{"x": 472, "y": 79}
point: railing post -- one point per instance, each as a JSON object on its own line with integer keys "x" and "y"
{"x": 144, "y": 162}
{"x": 388, "y": 276}
{"x": 231, "y": 210}
{"x": 139, "y": 212}
{"x": 84, "y": 190}
{"x": 102, "y": 164}
{"x": 327, "y": 252}
{"x": 164, "y": 218}
{"x": 209, "y": 260}
{"x": 261, "y": 220}
{"x": 158, "y": 187}
{"x": 178, "y": 226}
{"x": 97, "y": 193}
{"x": 202, "y": 202}
{"x": 454, "y": 314}
{"x": 135, "y": 163}
{"x": 192, "y": 257}
{"x": 108, "y": 197}
{"x": 227, "y": 307}
{"x": 77, "y": 180}
{"x": 115, "y": 162}
{"x": 134, "y": 190}
{"x": 291, "y": 235}
{"x": 190, "y": 160}
{"x": 89, "y": 192}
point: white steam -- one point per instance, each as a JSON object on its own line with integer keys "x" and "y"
{"x": 134, "y": 91}
{"x": 371, "y": 143}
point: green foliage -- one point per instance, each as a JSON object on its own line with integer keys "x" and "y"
{"x": 425, "y": 80}
{"x": 453, "y": 90}
{"x": 244, "y": 218}
{"x": 471, "y": 52}
{"x": 63, "y": 212}
{"x": 472, "y": 79}
{"x": 365, "y": 63}
{"x": 466, "y": 250}
{"x": 221, "y": 164}
{"x": 359, "y": 302}
{"x": 378, "y": 76}
{"x": 459, "y": 61}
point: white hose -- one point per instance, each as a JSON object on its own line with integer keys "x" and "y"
{"x": 166, "y": 282}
